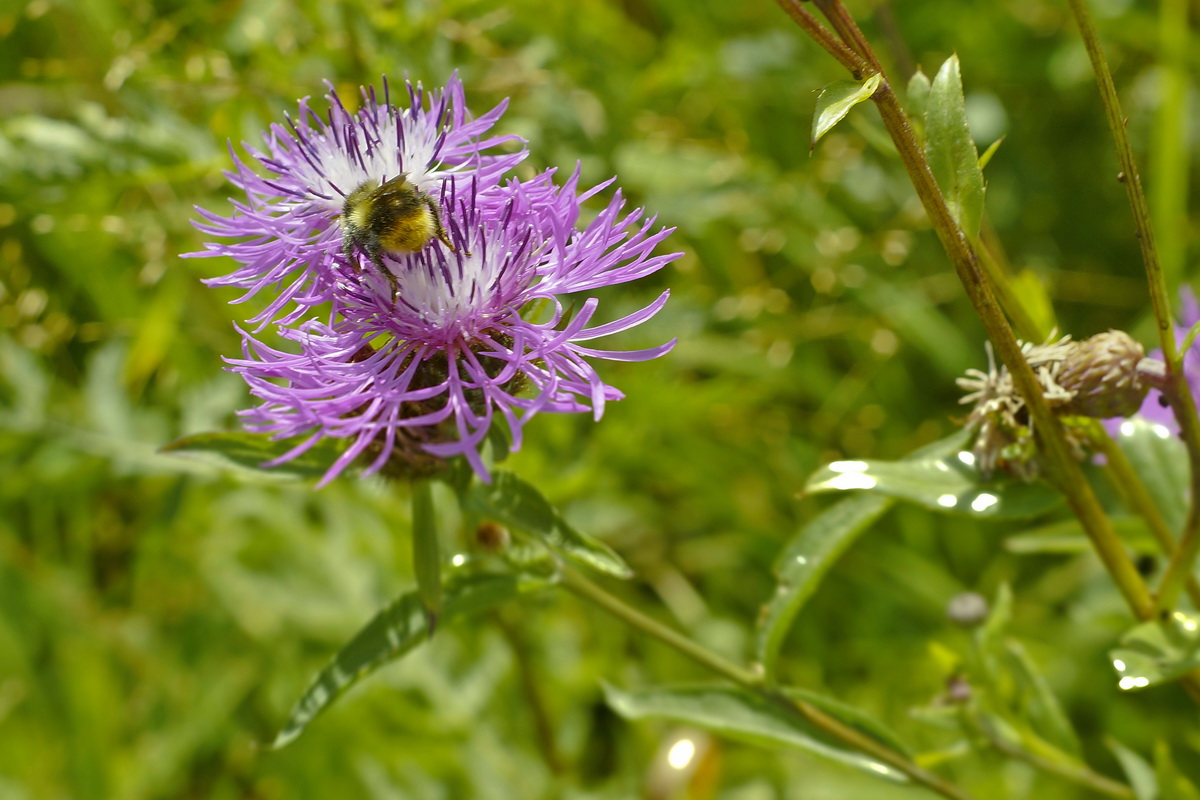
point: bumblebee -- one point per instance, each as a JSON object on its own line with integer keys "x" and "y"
{"x": 396, "y": 217}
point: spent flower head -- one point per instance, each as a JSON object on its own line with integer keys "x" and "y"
{"x": 1098, "y": 377}
{"x": 414, "y": 366}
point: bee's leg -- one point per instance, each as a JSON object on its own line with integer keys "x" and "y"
{"x": 377, "y": 260}
{"x": 439, "y": 230}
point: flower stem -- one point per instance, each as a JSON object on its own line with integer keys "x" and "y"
{"x": 631, "y": 616}
{"x": 1062, "y": 469}
{"x": 427, "y": 560}
{"x": 1177, "y": 393}
{"x": 587, "y": 590}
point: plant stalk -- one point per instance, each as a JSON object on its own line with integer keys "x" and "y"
{"x": 822, "y": 36}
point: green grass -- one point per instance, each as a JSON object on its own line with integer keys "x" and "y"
{"x": 158, "y": 617}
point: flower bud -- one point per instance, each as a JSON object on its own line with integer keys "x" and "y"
{"x": 1102, "y": 373}
{"x": 967, "y": 610}
{"x": 958, "y": 690}
{"x": 492, "y": 536}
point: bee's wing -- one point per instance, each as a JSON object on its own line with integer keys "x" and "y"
{"x": 398, "y": 182}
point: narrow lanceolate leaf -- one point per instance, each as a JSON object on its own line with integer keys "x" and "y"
{"x": 517, "y": 504}
{"x": 836, "y": 100}
{"x": 1066, "y": 537}
{"x": 396, "y": 630}
{"x": 986, "y": 158}
{"x": 1039, "y": 706}
{"x": 743, "y": 715}
{"x": 805, "y": 562}
{"x": 812, "y": 552}
{"x": 918, "y": 96}
{"x": 427, "y": 560}
{"x": 251, "y": 451}
{"x": 951, "y": 150}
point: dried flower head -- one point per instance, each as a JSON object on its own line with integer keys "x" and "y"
{"x": 1097, "y": 377}
{"x": 1102, "y": 374}
{"x": 1004, "y": 433}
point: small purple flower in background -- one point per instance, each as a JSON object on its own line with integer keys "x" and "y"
{"x": 415, "y": 369}
{"x": 291, "y": 237}
{"x": 1155, "y": 408}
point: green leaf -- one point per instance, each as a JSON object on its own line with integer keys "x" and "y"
{"x": 427, "y": 562}
{"x": 1158, "y": 651}
{"x": 804, "y": 563}
{"x": 1067, "y": 537}
{"x": 742, "y": 715}
{"x": 1141, "y": 775}
{"x": 991, "y": 151}
{"x": 812, "y": 552}
{"x": 918, "y": 95}
{"x": 1039, "y": 706}
{"x": 1030, "y": 290}
{"x": 948, "y": 485}
{"x": 249, "y": 451}
{"x": 836, "y": 100}
{"x": 1160, "y": 460}
{"x": 396, "y": 630}
{"x": 951, "y": 150}
{"x": 520, "y": 506}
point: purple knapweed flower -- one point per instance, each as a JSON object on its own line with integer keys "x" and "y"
{"x": 410, "y": 373}
{"x": 289, "y": 229}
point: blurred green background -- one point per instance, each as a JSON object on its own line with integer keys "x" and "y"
{"x": 158, "y": 617}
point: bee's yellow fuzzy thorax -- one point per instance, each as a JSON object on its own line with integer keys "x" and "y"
{"x": 410, "y": 233}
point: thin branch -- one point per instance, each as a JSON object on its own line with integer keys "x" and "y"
{"x": 824, "y": 37}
